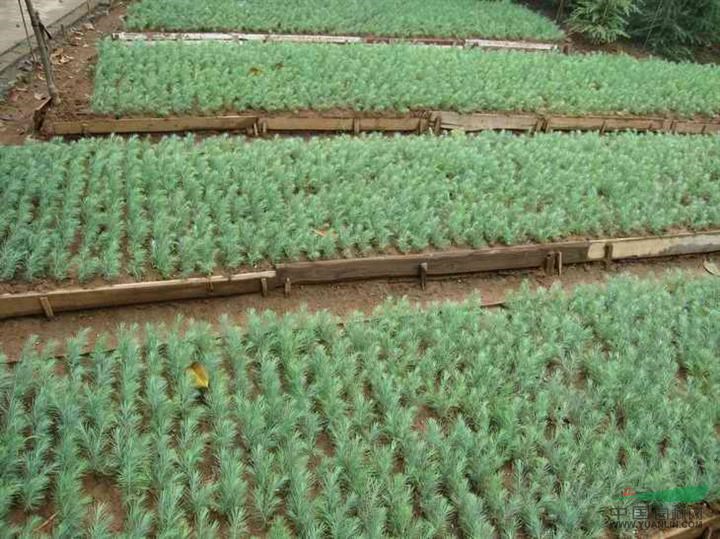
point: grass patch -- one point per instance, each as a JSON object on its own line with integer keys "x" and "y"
{"x": 415, "y": 423}
{"x": 115, "y": 207}
{"x": 175, "y": 77}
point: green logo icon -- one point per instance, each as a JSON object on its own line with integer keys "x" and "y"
{"x": 673, "y": 495}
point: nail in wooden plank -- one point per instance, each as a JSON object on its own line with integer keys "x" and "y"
{"x": 559, "y": 262}
{"x": 47, "y": 308}
{"x": 550, "y": 263}
{"x": 608, "y": 255}
{"x": 437, "y": 124}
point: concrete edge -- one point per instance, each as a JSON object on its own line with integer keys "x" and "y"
{"x": 11, "y": 60}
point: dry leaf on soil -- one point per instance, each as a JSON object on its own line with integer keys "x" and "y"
{"x": 199, "y": 374}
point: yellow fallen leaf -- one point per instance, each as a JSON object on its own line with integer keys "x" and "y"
{"x": 199, "y": 374}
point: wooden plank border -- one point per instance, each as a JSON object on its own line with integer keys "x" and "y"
{"x": 421, "y": 266}
{"x": 241, "y": 37}
{"x": 547, "y": 123}
{"x": 76, "y": 299}
{"x": 250, "y": 124}
{"x": 106, "y": 126}
{"x": 457, "y": 262}
{"x": 260, "y": 123}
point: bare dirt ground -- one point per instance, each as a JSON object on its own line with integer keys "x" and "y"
{"x": 73, "y": 62}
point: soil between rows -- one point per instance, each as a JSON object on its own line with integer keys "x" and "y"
{"x": 339, "y": 299}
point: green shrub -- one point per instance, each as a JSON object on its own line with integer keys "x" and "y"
{"x": 675, "y": 27}
{"x": 670, "y": 27}
{"x": 603, "y": 21}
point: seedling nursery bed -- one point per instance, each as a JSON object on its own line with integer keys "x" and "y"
{"x": 408, "y": 18}
{"x": 262, "y": 88}
{"x": 172, "y": 78}
{"x": 116, "y": 208}
{"x": 408, "y": 410}
{"x": 454, "y": 420}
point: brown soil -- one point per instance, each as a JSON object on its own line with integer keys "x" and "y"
{"x": 46, "y": 512}
{"x": 74, "y": 62}
{"x": 339, "y": 299}
{"x": 104, "y": 490}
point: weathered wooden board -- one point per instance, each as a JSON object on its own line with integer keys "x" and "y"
{"x": 302, "y": 38}
{"x": 104, "y": 126}
{"x": 299, "y": 123}
{"x": 707, "y": 528}
{"x": 452, "y": 262}
{"x": 74, "y": 299}
{"x": 483, "y": 122}
{"x": 494, "y": 259}
{"x": 648, "y": 247}
{"x": 393, "y": 124}
{"x": 340, "y": 123}
{"x": 603, "y": 123}
{"x": 39, "y": 114}
{"x": 490, "y": 44}
{"x": 536, "y": 122}
{"x": 696, "y": 127}
{"x": 260, "y": 123}
{"x": 441, "y": 263}
{"x": 497, "y": 44}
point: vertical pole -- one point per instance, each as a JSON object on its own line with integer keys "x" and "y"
{"x": 27, "y": 34}
{"x": 43, "y": 50}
